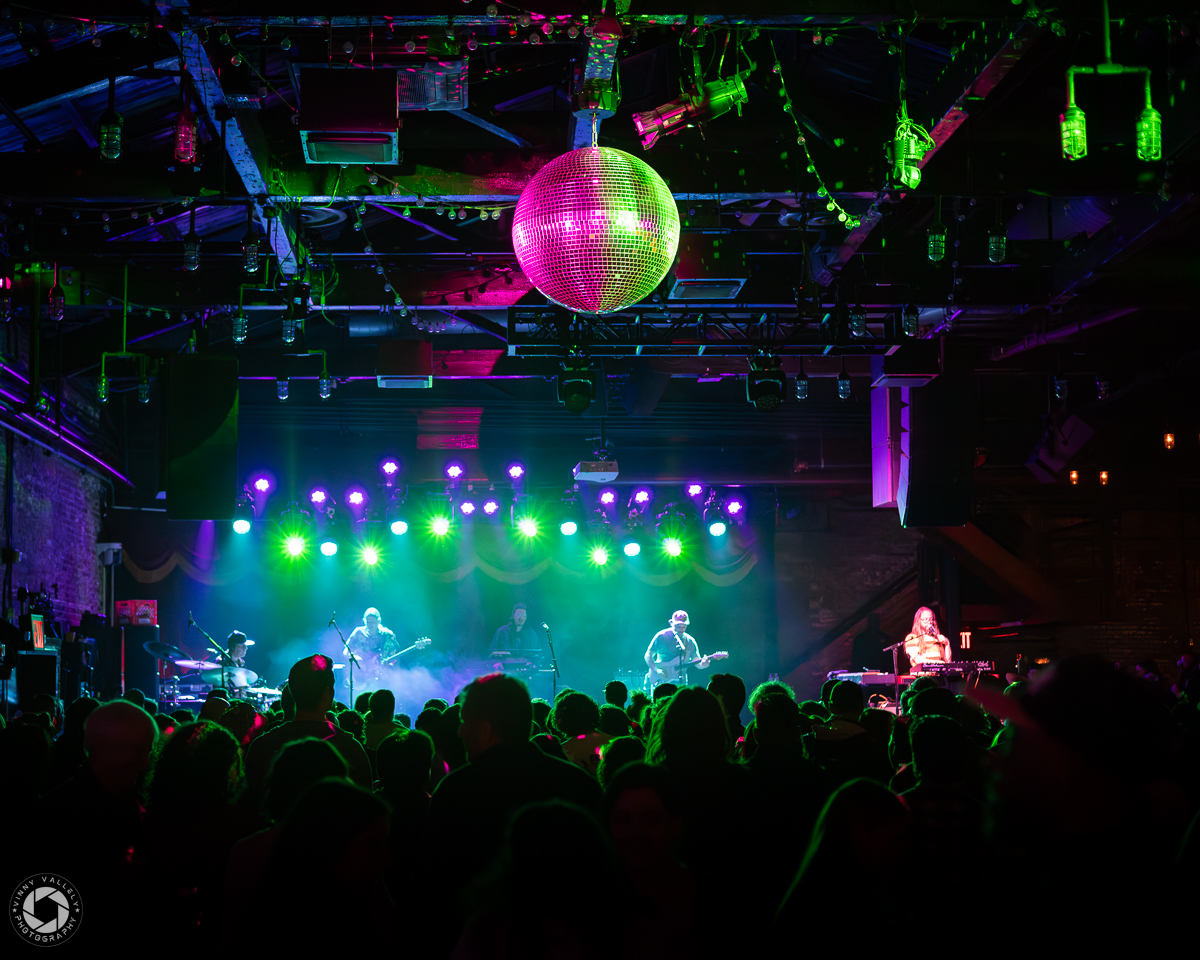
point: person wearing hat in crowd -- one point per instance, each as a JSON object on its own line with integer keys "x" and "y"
{"x": 673, "y": 644}
{"x": 513, "y": 635}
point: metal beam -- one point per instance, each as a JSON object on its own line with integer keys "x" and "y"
{"x": 490, "y": 127}
{"x": 171, "y": 63}
{"x": 80, "y": 124}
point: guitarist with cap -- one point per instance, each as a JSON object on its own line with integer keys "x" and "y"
{"x": 673, "y": 650}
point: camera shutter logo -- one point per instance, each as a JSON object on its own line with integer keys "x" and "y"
{"x": 45, "y": 910}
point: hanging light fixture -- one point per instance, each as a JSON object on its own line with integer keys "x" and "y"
{"x": 997, "y": 239}
{"x": 185, "y": 127}
{"x": 1149, "y": 130}
{"x": 191, "y": 245}
{"x": 112, "y": 125}
{"x": 250, "y": 243}
{"x": 102, "y": 387}
{"x": 1073, "y": 124}
{"x": 241, "y": 327}
{"x": 937, "y": 236}
{"x": 843, "y": 385}
{"x": 911, "y": 321}
{"x": 57, "y": 300}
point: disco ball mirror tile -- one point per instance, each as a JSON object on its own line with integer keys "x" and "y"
{"x": 596, "y": 230}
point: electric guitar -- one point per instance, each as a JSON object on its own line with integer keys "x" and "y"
{"x": 420, "y": 644}
{"x": 669, "y": 670}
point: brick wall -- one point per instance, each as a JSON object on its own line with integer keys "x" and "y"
{"x": 56, "y": 517}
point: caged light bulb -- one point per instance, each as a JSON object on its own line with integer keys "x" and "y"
{"x": 102, "y": 389}
{"x": 144, "y": 390}
{"x": 185, "y": 137}
{"x": 997, "y": 245}
{"x": 802, "y": 387}
{"x": 289, "y": 329}
{"x": 325, "y": 386}
{"x": 858, "y": 323}
{"x": 241, "y": 328}
{"x": 937, "y": 242}
{"x": 281, "y": 390}
{"x": 1074, "y": 133}
{"x": 1149, "y": 135}
{"x": 112, "y": 125}
{"x": 58, "y": 304}
{"x": 911, "y": 321}
{"x": 843, "y": 386}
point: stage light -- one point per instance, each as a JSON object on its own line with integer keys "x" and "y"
{"x": 370, "y": 556}
{"x": 527, "y": 526}
{"x": 241, "y": 526}
{"x": 570, "y": 516}
{"x": 454, "y": 471}
{"x": 389, "y": 468}
{"x": 516, "y": 471}
{"x": 909, "y": 146}
{"x": 1104, "y": 478}
{"x": 735, "y": 507}
{"x": 294, "y": 545}
{"x": 1169, "y": 441}
{"x": 599, "y": 556}
{"x": 642, "y": 496}
{"x": 1074, "y": 478}
{"x": 717, "y": 528}
{"x": 262, "y": 484}
{"x": 319, "y": 496}
{"x": 399, "y": 527}
{"x": 631, "y": 548}
{"x": 440, "y": 526}
{"x": 698, "y": 105}
{"x": 568, "y": 528}
{"x": 576, "y": 383}
{"x": 608, "y": 497}
{"x": 356, "y": 497}
{"x": 715, "y": 518}
{"x": 672, "y": 546}
{"x": 694, "y": 490}
{"x": 766, "y": 382}
{"x": 329, "y": 548}
{"x": 243, "y": 515}
{"x": 490, "y": 507}
{"x": 467, "y": 507}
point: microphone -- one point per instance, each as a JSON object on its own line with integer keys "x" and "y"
{"x": 330, "y": 624}
{"x": 546, "y": 627}
{"x": 190, "y": 620}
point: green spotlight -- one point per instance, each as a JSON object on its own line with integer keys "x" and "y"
{"x": 370, "y": 556}
{"x": 672, "y": 546}
{"x": 294, "y": 545}
{"x": 528, "y": 526}
{"x": 440, "y": 526}
{"x": 599, "y": 556}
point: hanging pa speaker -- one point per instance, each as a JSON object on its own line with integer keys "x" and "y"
{"x": 937, "y": 452}
{"x": 202, "y": 437}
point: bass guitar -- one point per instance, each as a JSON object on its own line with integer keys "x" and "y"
{"x": 420, "y": 644}
{"x": 669, "y": 671}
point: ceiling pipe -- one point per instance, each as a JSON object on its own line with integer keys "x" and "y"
{"x": 1044, "y": 339}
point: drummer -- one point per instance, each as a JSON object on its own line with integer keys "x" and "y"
{"x": 237, "y": 643}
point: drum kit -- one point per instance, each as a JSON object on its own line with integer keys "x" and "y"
{"x": 241, "y": 683}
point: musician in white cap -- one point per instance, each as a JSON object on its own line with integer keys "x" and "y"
{"x": 674, "y": 645}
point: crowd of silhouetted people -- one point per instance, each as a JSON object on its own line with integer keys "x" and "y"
{"x": 498, "y": 826}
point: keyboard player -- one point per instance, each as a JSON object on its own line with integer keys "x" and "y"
{"x": 925, "y": 644}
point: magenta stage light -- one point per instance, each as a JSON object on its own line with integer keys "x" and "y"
{"x": 608, "y": 497}
{"x": 389, "y": 467}
{"x": 356, "y": 497}
{"x": 694, "y": 489}
{"x": 596, "y": 230}
{"x": 491, "y": 507}
{"x": 467, "y": 507}
{"x": 262, "y": 484}
{"x": 318, "y": 496}
{"x": 734, "y": 507}
{"x": 454, "y": 471}
{"x": 642, "y": 496}
{"x": 516, "y": 471}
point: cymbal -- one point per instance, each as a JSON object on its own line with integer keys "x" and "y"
{"x": 234, "y": 676}
{"x": 163, "y": 651}
{"x": 195, "y": 664}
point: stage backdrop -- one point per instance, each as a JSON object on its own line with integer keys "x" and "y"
{"x": 456, "y": 590}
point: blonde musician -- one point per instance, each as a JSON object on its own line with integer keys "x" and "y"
{"x": 925, "y": 644}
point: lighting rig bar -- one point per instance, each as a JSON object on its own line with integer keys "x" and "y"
{"x": 544, "y": 331}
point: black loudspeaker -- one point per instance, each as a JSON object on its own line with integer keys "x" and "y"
{"x": 937, "y": 452}
{"x": 141, "y": 668}
{"x": 37, "y": 672}
{"x": 202, "y": 437}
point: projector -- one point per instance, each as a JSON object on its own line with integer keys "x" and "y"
{"x": 596, "y": 471}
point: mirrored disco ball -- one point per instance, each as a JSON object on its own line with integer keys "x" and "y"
{"x": 596, "y": 230}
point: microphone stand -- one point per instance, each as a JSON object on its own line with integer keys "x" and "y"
{"x": 553, "y": 665}
{"x": 349, "y": 654}
{"x": 895, "y": 648}
{"x": 223, "y": 656}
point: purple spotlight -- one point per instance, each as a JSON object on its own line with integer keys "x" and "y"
{"x": 389, "y": 467}
{"x": 262, "y": 484}
{"x": 467, "y": 507}
{"x": 318, "y": 496}
{"x": 694, "y": 489}
{"x": 608, "y": 497}
{"x": 642, "y": 496}
{"x": 454, "y": 471}
{"x": 356, "y": 497}
{"x": 516, "y": 471}
{"x": 734, "y": 507}
{"x": 490, "y": 507}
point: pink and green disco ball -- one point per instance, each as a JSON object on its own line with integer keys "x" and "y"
{"x": 596, "y": 230}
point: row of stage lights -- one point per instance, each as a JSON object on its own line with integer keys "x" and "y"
{"x": 527, "y": 515}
